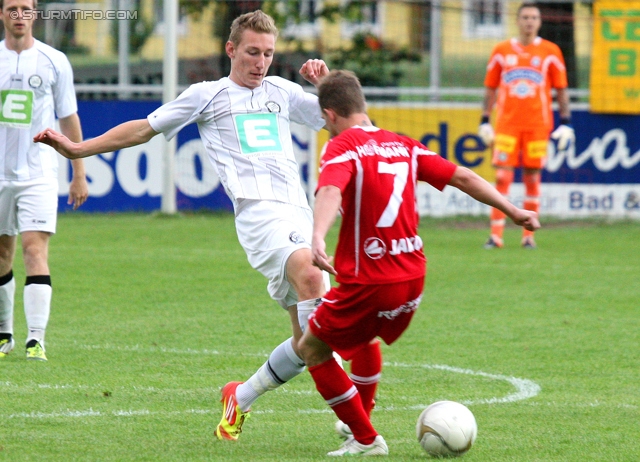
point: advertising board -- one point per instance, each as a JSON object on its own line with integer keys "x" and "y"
{"x": 600, "y": 175}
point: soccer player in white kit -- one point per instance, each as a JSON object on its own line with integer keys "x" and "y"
{"x": 36, "y": 84}
{"x": 243, "y": 121}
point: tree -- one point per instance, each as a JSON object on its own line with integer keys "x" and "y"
{"x": 284, "y": 12}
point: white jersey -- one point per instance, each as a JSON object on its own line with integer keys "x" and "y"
{"x": 35, "y": 86}
{"x": 246, "y": 134}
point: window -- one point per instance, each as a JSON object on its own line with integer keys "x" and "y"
{"x": 366, "y": 18}
{"x": 158, "y": 14}
{"x": 484, "y": 18}
{"x": 308, "y": 27}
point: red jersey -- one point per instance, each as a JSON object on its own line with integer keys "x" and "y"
{"x": 377, "y": 172}
{"x": 524, "y": 76}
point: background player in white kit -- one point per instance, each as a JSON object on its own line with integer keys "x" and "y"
{"x": 243, "y": 121}
{"x": 36, "y": 84}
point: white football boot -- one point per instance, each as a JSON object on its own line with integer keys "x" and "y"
{"x": 352, "y": 448}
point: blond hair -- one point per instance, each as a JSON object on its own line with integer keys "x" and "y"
{"x": 257, "y": 21}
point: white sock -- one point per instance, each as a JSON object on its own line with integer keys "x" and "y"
{"x": 305, "y": 308}
{"x": 7, "y": 293}
{"x": 283, "y": 365}
{"x": 37, "y": 306}
{"x": 327, "y": 280}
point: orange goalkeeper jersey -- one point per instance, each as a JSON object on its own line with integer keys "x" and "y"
{"x": 524, "y": 76}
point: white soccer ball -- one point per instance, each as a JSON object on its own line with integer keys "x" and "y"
{"x": 446, "y": 428}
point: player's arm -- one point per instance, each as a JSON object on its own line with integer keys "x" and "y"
{"x": 127, "y": 134}
{"x": 565, "y": 133}
{"x": 78, "y": 189}
{"x": 490, "y": 97}
{"x": 485, "y": 130}
{"x": 325, "y": 211}
{"x": 562, "y": 96}
{"x": 477, "y": 187}
{"x": 314, "y": 70}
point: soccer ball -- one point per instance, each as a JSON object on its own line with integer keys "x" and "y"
{"x": 446, "y": 428}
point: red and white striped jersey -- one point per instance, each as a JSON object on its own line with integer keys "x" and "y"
{"x": 377, "y": 172}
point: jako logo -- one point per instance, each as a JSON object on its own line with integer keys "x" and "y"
{"x": 374, "y": 248}
{"x": 405, "y": 245}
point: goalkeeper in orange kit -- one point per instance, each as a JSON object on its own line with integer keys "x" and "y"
{"x": 520, "y": 75}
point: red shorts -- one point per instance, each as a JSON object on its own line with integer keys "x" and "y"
{"x": 351, "y": 315}
{"x": 519, "y": 148}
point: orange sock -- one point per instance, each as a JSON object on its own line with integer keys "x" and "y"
{"x": 532, "y": 196}
{"x": 504, "y": 178}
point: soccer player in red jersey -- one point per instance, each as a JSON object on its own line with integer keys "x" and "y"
{"x": 370, "y": 176}
{"x": 520, "y": 75}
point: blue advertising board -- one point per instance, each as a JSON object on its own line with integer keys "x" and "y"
{"x": 131, "y": 179}
{"x": 607, "y": 151}
{"x": 599, "y": 175}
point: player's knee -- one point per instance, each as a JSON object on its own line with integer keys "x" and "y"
{"x": 35, "y": 259}
{"x": 6, "y": 257}
{"x": 302, "y": 346}
{"x": 504, "y": 178}
{"x": 308, "y": 282}
{"x": 313, "y": 352}
{"x": 34, "y": 253}
{"x": 7, "y": 249}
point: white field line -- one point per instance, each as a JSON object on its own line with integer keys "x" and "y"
{"x": 177, "y": 351}
{"x": 524, "y": 389}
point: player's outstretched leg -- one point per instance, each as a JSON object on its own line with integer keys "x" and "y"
{"x": 233, "y": 417}
{"x": 283, "y": 365}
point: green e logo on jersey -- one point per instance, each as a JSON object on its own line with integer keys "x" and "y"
{"x": 16, "y": 108}
{"x": 258, "y": 133}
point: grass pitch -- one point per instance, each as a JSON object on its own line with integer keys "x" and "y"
{"x": 152, "y": 315}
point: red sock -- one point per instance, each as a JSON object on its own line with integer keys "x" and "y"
{"x": 366, "y": 366}
{"x": 338, "y": 391}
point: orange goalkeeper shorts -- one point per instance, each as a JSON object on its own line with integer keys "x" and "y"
{"x": 519, "y": 148}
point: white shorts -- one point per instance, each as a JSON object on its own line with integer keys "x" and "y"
{"x": 28, "y": 206}
{"x": 270, "y": 232}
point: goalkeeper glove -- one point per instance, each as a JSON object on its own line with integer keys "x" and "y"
{"x": 485, "y": 131}
{"x": 564, "y": 134}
